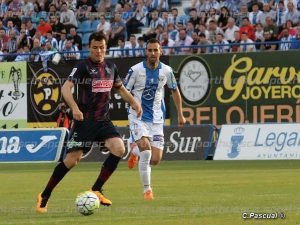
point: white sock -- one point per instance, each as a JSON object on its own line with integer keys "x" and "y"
{"x": 145, "y": 169}
{"x": 136, "y": 150}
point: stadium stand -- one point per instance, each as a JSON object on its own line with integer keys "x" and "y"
{"x": 203, "y": 21}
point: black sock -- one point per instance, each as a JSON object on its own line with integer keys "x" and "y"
{"x": 108, "y": 167}
{"x": 59, "y": 172}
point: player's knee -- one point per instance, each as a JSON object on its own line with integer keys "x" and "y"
{"x": 154, "y": 162}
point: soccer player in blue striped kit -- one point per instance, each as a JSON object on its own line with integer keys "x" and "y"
{"x": 146, "y": 81}
{"x": 95, "y": 78}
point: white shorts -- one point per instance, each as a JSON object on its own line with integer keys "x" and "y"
{"x": 154, "y": 131}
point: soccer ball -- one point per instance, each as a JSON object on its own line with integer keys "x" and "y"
{"x": 86, "y": 203}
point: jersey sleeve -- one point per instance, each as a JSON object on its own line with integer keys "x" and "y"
{"x": 130, "y": 79}
{"x": 171, "y": 80}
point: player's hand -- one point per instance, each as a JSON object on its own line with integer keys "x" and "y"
{"x": 138, "y": 108}
{"x": 181, "y": 120}
{"x": 77, "y": 115}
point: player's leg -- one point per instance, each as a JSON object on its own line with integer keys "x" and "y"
{"x": 71, "y": 160}
{"x": 133, "y": 155}
{"x": 115, "y": 145}
{"x": 79, "y": 135}
{"x": 144, "y": 165}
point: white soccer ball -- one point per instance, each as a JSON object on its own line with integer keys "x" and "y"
{"x": 87, "y": 202}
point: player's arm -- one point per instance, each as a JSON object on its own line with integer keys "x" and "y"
{"x": 178, "y": 103}
{"x": 68, "y": 96}
{"x": 127, "y": 97}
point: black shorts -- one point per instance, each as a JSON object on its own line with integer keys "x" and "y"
{"x": 86, "y": 133}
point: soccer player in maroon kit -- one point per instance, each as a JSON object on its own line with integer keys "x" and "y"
{"x": 95, "y": 78}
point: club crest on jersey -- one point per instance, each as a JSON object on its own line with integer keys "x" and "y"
{"x": 102, "y": 85}
{"x": 93, "y": 71}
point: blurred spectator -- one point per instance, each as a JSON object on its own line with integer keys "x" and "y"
{"x": 158, "y": 31}
{"x": 137, "y": 20}
{"x": 281, "y": 14}
{"x": 285, "y": 40}
{"x": 15, "y": 6}
{"x": 70, "y": 51}
{"x": 35, "y": 51}
{"x": 202, "y": 29}
{"x": 53, "y": 10}
{"x": 72, "y": 5}
{"x": 173, "y": 33}
{"x": 127, "y": 12}
{"x": 67, "y": 17}
{"x": 292, "y": 13}
{"x": 203, "y": 17}
{"x": 104, "y": 26}
{"x": 235, "y": 44}
{"x": 30, "y": 30}
{"x": 122, "y": 51}
{"x": 56, "y": 26}
{"x": 153, "y": 24}
{"x": 52, "y": 39}
{"x": 167, "y": 42}
{"x": 259, "y": 34}
{"x": 118, "y": 30}
{"x": 267, "y": 12}
{"x": 213, "y": 30}
{"x": 104, "y": 6}
{"x": 203, "y": 42}
{"x": 212, "y": 15}
{"x": 256, "y": 14}
{"x": 248, "y": 28}
{"x": 268, "y": 37}
{"x": 221, "y": 45}
{"x": 84, "y": 8}
{"x": 231, "y": 5}
{"x": 132, "y": 46}
{"x": 23, "y": 54}
{"x": 141, "y": 47}
{"x": 3, "y": 8}
{"x": 158, "y": 5}
{"x": 11, "y": 27}
{"x": 190, "y": 29}
{"x": 76, "y": 38}
{"x": 43, "y": 26}
{"x": 3, "y": 39}
{"x": 27, "y": 9}
{"x": 270, "y": 26}
{"x": 296, "y": 40}
{"x": 213, "y": 4}
{"x": 23, "y": 39}
{"x": 40, "y": 37}
{"x": 241, "y": 14}
{"x": 194, "y": 19}
{"x": 223, "y": 19}
{"x": 36, "y": 6}
{"x": 62, "y": 41}
{"x": 174, "y": 18}
{"x": 12, "y": 42}
{"x": 183, "y": 43}
{"x": 231, "y": 28}
{"x": 247, "y": 45}
{"x": 195, "y": 42}
{"x": 165, "y": 19}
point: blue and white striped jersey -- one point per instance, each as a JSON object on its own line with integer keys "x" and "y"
{"x": 147, "y": 86}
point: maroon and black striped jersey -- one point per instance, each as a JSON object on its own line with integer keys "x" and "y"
{"x": 95, "y": 81}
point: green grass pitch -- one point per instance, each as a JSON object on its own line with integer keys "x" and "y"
{"x": 186, "y": 193}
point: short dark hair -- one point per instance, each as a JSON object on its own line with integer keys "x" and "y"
{"x": 152, "y": 41}
{"x": 97, "y": 36}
